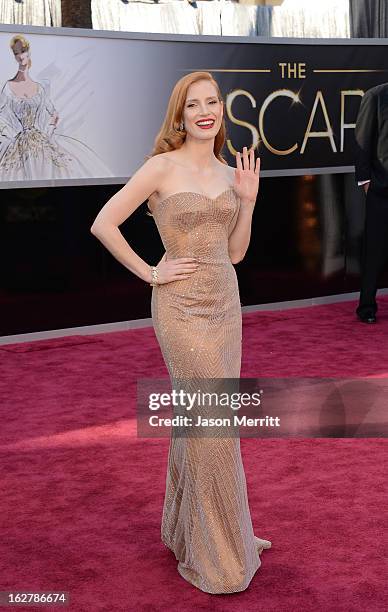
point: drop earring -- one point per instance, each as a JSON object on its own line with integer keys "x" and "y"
{"x": 181, "y": 126}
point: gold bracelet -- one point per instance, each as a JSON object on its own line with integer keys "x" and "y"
{"x": 154, "y": 276}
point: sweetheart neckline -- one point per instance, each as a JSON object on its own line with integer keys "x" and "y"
{"x": 197, "y": 193}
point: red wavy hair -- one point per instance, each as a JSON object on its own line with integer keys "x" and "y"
{"x": 170, "y": 137}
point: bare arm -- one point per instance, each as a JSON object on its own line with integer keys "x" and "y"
{"x": 240, "y": 237}
{"x": 121, "y": 206}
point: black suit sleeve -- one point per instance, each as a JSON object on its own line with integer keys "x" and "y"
{"x": 365, "y": 136}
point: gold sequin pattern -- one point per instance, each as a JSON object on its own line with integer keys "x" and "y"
{"x": 206, "y": 519}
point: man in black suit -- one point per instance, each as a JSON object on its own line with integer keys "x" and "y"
{"x": 371, "y": 164}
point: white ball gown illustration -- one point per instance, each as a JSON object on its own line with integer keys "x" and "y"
{"x": 31, "y": 148}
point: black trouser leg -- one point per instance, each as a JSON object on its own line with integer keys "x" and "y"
{"x": 375, "y": 250}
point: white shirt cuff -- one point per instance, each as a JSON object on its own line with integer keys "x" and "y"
{"x": 363, "y": 182}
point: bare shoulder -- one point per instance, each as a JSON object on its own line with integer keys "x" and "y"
{"x": 156, "y": 163}
{"x": 230, "y": 173}
{"x": 155, "y": 170}
{"x": 171, "y": 158}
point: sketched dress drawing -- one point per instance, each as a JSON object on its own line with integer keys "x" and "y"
{"x": 31, "y": 148}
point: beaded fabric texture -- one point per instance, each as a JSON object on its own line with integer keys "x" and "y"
{"x": 206, "y": 520}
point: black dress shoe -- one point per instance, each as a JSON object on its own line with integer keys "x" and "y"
{"x": 367, "y": 318}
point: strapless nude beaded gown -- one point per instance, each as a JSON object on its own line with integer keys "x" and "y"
{"x": 206, "y": 520}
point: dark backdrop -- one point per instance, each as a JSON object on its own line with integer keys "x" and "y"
{"x": 306, "y": 240}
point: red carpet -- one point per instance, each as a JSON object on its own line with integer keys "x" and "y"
{"x": 82, "y": 496}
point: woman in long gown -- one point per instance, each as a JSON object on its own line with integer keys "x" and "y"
{"x": 30, "y": 146}
{"x": 203, "y": 210}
